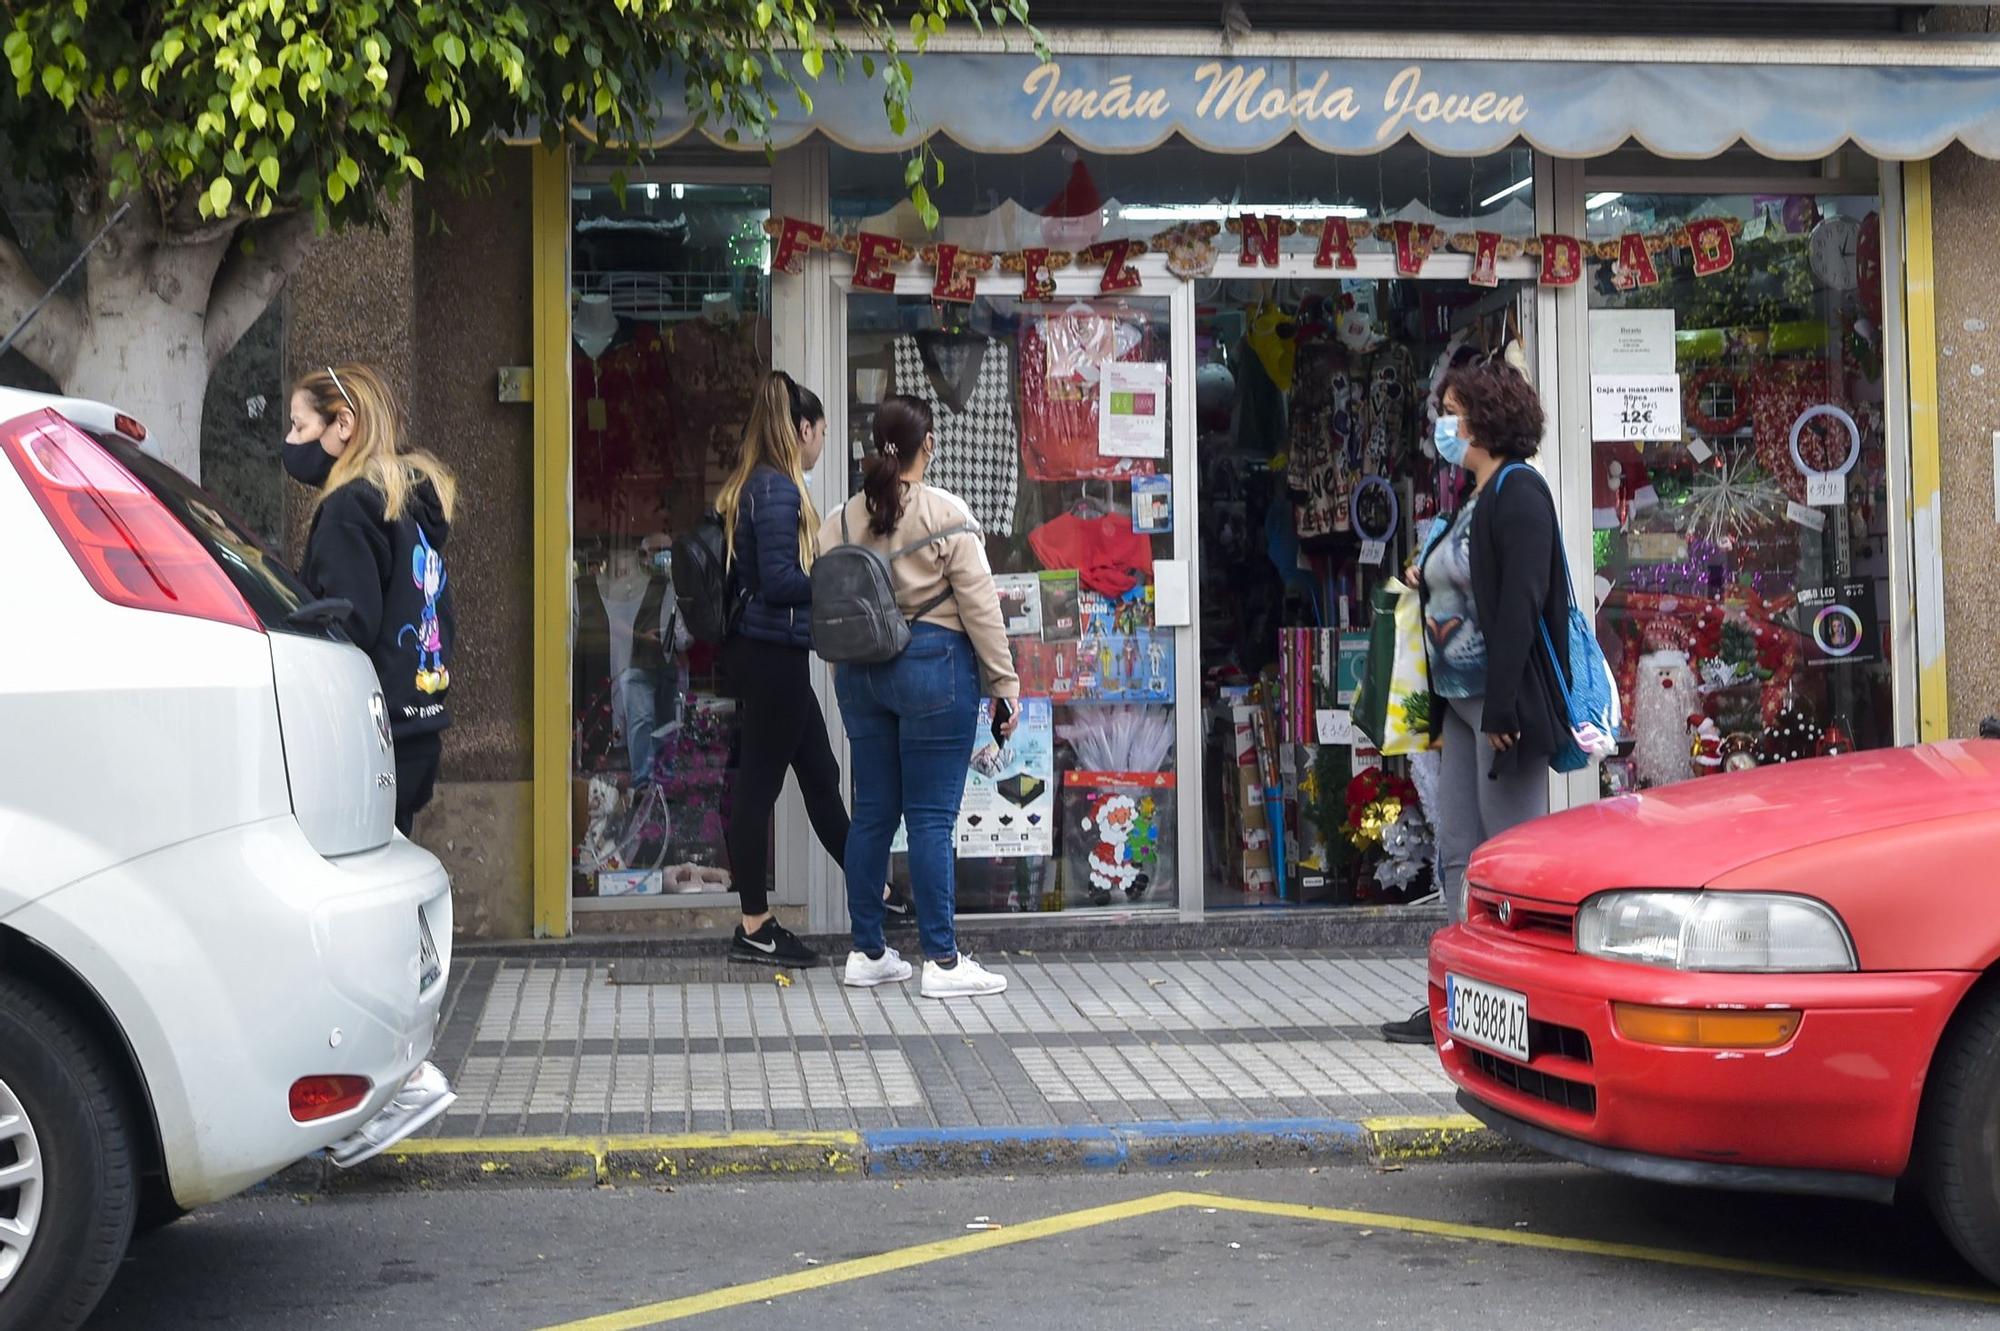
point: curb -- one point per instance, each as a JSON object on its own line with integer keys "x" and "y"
{"x": 444, "y": 1163}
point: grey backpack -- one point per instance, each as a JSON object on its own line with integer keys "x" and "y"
{"x": 855, "y": 618}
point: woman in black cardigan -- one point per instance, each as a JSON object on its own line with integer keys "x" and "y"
{"x": 1491, "y": 581}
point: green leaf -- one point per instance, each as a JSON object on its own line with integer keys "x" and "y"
{"x": 336, "y": 188}
{"x": 267, "y": 171}
{"x": 220, "y": 194}
{"x": 414, "y": 167}
{"x": 287, "y": 122}
{"x": 814, "y": 61}
{"x": 764, "y": 15}
{"x": 913, "y": 171}
{"x": 170, "y": 51}
{"x": 348, "y": 170}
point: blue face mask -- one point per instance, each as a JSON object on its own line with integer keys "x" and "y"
{"x": 1450, "y": 443}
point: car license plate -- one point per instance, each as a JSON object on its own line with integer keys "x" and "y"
{"x": 1488, "y": 1016}
{"x": 430, "y": 966}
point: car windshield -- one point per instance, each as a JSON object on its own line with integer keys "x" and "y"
{"x": 273, "y": 592}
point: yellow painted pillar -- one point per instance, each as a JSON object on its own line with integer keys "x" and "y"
{"x": 1926, "y": 501}
{"x": 552, "y": 544}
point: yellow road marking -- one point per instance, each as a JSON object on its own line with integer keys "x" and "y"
{"x": 900, "y": 1259}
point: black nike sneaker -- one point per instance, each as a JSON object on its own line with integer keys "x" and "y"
{"x": 897, "y": 908}
{"x": 772, "y": 945}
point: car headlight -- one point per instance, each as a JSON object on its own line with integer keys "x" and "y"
{"x": 1715, "y": 931}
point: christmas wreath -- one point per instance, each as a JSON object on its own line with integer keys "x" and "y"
{"x": 1698, "y": 417}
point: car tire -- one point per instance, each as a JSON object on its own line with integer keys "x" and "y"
{"x": 1958, "y": 1144}
{"x": 57, "y": 1082}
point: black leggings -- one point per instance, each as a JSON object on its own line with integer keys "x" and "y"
{"x": 417, "y": 759}
{"x": 780, "y": 727}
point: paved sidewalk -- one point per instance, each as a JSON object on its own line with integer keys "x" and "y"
{"x": 575, "y": 1047}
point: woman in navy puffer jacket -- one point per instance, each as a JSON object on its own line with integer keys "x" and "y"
{"x": 772, "y": 530}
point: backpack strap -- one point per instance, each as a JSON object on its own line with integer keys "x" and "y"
{"x": 960, "y": 530}
{"x": 1567, "y": 686}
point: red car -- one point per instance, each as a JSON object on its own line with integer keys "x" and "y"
{"x": 1783, "y": 980}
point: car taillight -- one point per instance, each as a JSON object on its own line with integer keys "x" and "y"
{"x": 129, "y": 547}
{"x": 129, "y": 427}
{"x": 315, "y": 1098}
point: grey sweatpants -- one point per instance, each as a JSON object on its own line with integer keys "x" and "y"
{"x": 1472, "y": 807}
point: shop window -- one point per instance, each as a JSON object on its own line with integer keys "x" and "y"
{"x": 1052, "y": 424}
{"x": 1740, "y": 485}
{"x": 1317, "y": 476}
{"x": 671, "y": 322}
{"x": 1066, "y": 199}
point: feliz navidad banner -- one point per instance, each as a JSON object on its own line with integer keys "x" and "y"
{"x": 1192, "y": 251}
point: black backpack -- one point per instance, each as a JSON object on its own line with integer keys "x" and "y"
{"x": 855, "y": 618}
{"x": 709, "y": 600}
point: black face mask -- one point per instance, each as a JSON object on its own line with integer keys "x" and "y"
{"x": 308, "y": 464}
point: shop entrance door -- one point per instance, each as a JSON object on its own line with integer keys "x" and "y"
{"x": 1315, "y": 396}
{"x": 1059, "y": 422}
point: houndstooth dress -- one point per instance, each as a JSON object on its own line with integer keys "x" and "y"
{"x": 978, "y": 449}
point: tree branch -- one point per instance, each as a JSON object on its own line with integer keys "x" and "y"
{"x": 54, "y": 338}
{"x": 250, "y": 279}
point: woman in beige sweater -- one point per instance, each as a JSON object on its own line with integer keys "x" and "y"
{"x": 913, "y": 721}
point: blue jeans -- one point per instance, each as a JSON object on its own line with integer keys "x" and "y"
{"x": 911, "y": 722}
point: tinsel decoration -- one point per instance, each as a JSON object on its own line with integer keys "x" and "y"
{"x": 1730, "y": 501}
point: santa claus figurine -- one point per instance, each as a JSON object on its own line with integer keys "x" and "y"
{"x": 1706, "y": 750}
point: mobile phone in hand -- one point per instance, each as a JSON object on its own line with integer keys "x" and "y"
{"x": 1003, "y": 712}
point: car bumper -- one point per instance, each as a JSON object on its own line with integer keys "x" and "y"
{"x": 237, "y": 964}
{"x": 1840, "y": 1096}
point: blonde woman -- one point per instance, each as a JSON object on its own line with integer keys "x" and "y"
{"x": 773, "y": 532}
{"x": 380, "y": 523}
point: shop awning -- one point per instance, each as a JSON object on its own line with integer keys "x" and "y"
{"x": 1894, "y": 99}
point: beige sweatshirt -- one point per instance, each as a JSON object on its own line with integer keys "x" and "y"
{"x": 957, "y": 562}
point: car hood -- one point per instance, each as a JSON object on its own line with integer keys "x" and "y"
{"x": 1691, "y": 834}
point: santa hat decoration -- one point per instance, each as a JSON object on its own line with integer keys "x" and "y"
{"x": 1075, "y": 216}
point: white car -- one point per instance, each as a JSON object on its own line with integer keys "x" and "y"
{"x": 216, "y": 955}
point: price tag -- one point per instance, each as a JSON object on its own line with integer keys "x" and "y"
{"x": 1827, "y": 489}
{"x": 1698, "y": 448}
{"x": 1334, "y": 726}
{"x": 1810, "y": 518}
{"x": 1645, "y": 407}
{"x": 1372, "y": 552}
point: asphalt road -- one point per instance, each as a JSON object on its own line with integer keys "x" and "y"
{"x": 1345, "y": 1247}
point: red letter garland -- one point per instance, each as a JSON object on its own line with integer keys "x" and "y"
{"x": 872, "y": 257}
{"x": 1635, "y": 265}
{"x": 795, "y": 238}
{"x": 1562, "y": 261}
{"x": 1037, "y": 282}
{"x": 956, "y": 274}
{"x": 1413, "y": 246}
{"x": 1713, "y": 249}
{"x": 1260, "y": 240}
{"x": 1117, "y": 256}
{"x": 1486, "y": 259}
{"x": 1336, "y": 245}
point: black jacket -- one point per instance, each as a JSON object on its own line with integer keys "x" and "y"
{"x": 393, "y": 574}
{"x": 779, "y": 608}
{"x": 1519, "y": 586}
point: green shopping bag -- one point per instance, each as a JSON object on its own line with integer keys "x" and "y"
{"x": 1394, "y": 706}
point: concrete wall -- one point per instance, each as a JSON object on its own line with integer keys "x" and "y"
{"x": 439, "y": 301}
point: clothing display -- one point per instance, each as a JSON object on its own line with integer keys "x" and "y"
{"x": 713, "y": 368}
{"x": 624, "y": 412}
{"x": 978, "y": 450}
{"x": 1110, "y": 556}
{"x": 1352, "y": 414}
{"x": 1060, "y": 356}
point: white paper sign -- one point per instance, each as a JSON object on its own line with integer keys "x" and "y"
{"x": 1334, "y": 726}
{"x": 1172, "y": 604}
{"x": 1635, "y": 406}
{"x": 1631, "y": 341}
{"x": 1826, "y": 489}
{"x": 1132, "y": 410}
{"x": 1810, "y": 518}
{"x": 1373, "y": 551}
{"x": 1698, "y": 448}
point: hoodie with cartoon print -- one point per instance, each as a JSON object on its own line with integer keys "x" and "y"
{"x": 394, "y": 575}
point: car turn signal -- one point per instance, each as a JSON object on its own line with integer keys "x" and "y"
{"x": 1704, "y": 1028}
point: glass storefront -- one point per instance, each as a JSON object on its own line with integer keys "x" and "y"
{"x": 1249, "y": 443}
{"x": 1742, "y": 548}
{"x": 671, "y": 330}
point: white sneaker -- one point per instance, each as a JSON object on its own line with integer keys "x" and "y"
{"x": 424, "y": 1096}
{"x": 968, "y": 979}
{"x": 863, "y": 973}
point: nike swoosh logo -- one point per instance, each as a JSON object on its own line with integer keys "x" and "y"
{"x": 771, "y": 948}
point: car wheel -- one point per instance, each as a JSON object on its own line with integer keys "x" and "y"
{"x": 67, "y": 1184}
{"x": 1959, "y": 1142}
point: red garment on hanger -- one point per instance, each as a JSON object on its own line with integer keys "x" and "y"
{"x": 1106, "y": 552}
{"x": 1059, "y": 415}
